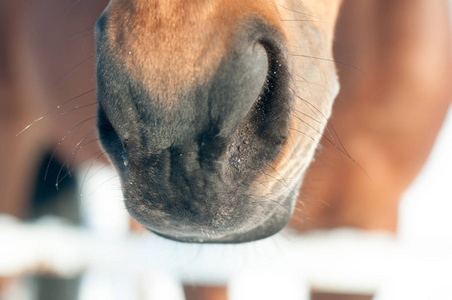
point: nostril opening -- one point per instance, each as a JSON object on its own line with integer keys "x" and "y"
{"x": 110, "y": 140}
{"x": 270, "y": 111}
{"x": 236, "y": 85}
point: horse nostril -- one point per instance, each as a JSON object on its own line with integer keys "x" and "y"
{"x": 236, "y": 87}
{"x": 110, "y": 139}
{"x": 272, "y": 108}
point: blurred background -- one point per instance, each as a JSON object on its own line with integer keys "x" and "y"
{"x": 67, "y": 200}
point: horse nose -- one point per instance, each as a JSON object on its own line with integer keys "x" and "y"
{"x": 211, "y": 91}
{"x": 187, "y": 115}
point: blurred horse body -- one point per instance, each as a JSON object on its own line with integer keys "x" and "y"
{"x": 47, "y": 59}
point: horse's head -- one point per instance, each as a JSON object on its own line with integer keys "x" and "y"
{"x": 211, "y": 109}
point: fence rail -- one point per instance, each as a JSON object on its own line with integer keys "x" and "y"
{"x": 338, "y": 261}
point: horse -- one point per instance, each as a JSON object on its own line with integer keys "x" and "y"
{"x": 217, "y": 114}
{"x": 211, "y": 112}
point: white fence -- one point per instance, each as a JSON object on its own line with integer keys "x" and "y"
{"x": 338, "y": 261}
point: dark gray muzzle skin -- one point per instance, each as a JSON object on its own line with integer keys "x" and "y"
{"x": 191, "y": 174}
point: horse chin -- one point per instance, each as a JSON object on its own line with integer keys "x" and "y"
{"x": 220, "y": 225}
